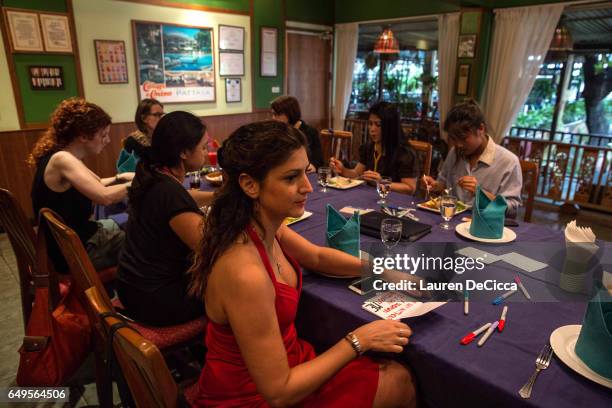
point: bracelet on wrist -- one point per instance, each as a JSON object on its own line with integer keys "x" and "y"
{"x": 354, "y": 342}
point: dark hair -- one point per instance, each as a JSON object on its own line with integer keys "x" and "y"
{"x": 464, "y": 118}
{"x": 73, "y": 117}
{"x": 289, "y": 106}
{"x": 175, "y": 133}
{"x": 144, "y": 109}
{"x": 252, "y": 149}
{"x": 391, "y": 131}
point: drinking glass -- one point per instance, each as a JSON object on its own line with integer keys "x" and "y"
{"x": 383, "y": 187}
{"x": 448, "y": 207}
{"x": 390, "y": 232}
{"x": 324, "y": 175}
{"x": 194, "y": 180}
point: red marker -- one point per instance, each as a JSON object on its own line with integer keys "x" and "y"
{"x": 502, "y": 320}
{"x": 470, "y": 337}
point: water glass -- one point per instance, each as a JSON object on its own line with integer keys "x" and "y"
{"x": 194, "y": 180}
{"x": 448, "y": 207}
{"x": 324, "y": 175}
{"x": 383, "y": 187}
{"x": 390, "y": 232}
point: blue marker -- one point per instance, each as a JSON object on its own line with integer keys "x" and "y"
{"x": 501, "y": 298}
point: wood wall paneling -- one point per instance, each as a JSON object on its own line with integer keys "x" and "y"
{"x": 15, "y": 146}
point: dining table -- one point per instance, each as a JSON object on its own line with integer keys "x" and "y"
{"x": 447, "y": 373}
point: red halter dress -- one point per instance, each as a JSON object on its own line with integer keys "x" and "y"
{"x": 225, "y": 380}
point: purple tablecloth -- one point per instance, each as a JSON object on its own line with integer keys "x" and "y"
{"x": 449, "y": 374}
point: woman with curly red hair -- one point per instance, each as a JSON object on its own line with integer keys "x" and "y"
{"x": 63, "y": 183}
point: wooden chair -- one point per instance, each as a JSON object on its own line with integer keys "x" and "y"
{"x": 84, "y": 277}
{"x": 424, "y": 152}
{"x": 336, "y": 143}
{"x": 141, "y": 362}
{"x": 530, "y": 185}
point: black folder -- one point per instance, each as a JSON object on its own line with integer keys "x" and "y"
{"x": 411, "y": 230}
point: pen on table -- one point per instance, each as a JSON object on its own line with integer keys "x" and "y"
{"x": 490, "y": 331}
{"x": 501, "y": 298}
{"x": 466, "y": 302}
{"x": 517, "y": 279}
{"x": 502, "y": 320}
{"x": 470, "y": 337}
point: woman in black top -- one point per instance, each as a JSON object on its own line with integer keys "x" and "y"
{"x": 387, "y": 154}
{"x": 138, "y": 143}
{"x": 164, "y": 226}
{"x": 287, "y": 109}
{"x": 63, "y": 183}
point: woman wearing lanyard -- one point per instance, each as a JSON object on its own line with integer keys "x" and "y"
{"x": 386, "y": 154}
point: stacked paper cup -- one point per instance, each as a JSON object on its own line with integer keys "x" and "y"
{"x": 580, "y": 247}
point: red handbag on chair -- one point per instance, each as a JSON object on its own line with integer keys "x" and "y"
{"x": 58, "y": 338}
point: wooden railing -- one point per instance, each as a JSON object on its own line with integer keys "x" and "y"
{"x": 574, "y": 168}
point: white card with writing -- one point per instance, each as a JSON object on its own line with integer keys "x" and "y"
{"x": 521, "y": 261}
{"x": 393, "y": 305}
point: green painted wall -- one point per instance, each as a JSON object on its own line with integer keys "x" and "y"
{"x": 268, "y": 13}
{"x": 312, "y": 11}
{"x": 363, "y": 10}
{"x": 48, "y": 5}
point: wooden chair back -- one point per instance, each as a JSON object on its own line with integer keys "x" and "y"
{"x": 336, "y": 143}
{"x": 530, "y": 184}
{"x": 23, "y": 240}
{"x": 83, "y": 273}
{"x": 141, "y": 362}
{"x": 424, "y": 152}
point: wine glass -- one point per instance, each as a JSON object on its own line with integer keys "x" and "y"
{"x": 324, "y": 175}
{"x": 390, "y": 232}
{"x": 383, "y": 187}
{"x": 448, "y": 207}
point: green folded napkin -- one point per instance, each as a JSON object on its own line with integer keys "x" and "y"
{"x": 126, "y": 162}
{"x": 343, "y": 234}
{"x": 488, "y": 216}
{"x": 594, "y": 345}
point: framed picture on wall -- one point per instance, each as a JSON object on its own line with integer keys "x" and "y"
{"x": 46, "y": 78}
{"x": 231, "y": 64}
{"x": 231, "y": 38}
{"x": 24, "y": 31}
{"x": 174, "y": 63}
{"x": 269, "y": 49}
{"x": 233, "y": 90}
{"x": 56, "y": 32}
{"x": 463, "y": 79}
{"x": 111, "y": 62}
{"x": 467, "y": 46}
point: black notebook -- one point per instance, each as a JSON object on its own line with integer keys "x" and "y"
{"x": 411, "y": 230}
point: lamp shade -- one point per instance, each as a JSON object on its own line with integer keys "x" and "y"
{"x": 562, "y": 39}
{"x": 387, "y": 43}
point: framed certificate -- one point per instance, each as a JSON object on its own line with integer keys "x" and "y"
{"x": 111, "y": 62}
{"x": 231, "y": 38}
{"x": 24, "y": 31}
{"x": 463, "y": 79}
{"x": 269, "y": 47}
{"x": 56, "y": 32}
{"x": 233, "y": 90}
{"x": 231, "y": 64}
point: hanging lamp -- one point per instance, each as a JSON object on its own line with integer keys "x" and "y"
{"x": 387, "y": 43}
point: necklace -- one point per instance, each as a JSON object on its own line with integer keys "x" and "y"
{"x": 278, "y": 267}
{"x": 168, "y": 172}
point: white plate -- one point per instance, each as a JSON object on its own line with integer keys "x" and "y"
{"x": 215, "y": 181}
{"x": 422, "y": 206}
{"x": 289, "y": 221}
{"x": 363, "y": 255}
{"x": 351, "y": 183}
{"x": 563, "y": 342}
{"x": 463, "y": 229}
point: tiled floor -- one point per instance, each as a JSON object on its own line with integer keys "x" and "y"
{"x": 11, "y": 326}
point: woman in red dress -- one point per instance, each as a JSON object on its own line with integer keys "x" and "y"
{"x": 247, "y": 273}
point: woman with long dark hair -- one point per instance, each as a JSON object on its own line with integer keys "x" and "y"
{"x": 63, "y": 183}
{"x": 248, "y": 272}
{"x": 164, "y": 226}
{"x": 387, "y": 154}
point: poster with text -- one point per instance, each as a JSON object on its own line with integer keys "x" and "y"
{"x": 174, "y": 63}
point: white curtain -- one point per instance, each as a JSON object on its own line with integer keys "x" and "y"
{"x": 448, "y": 37}
{"x": 521, "y": 39}
{"x": 346, "y": 36}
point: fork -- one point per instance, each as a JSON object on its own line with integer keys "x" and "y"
{"x": 542, "y": 363}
